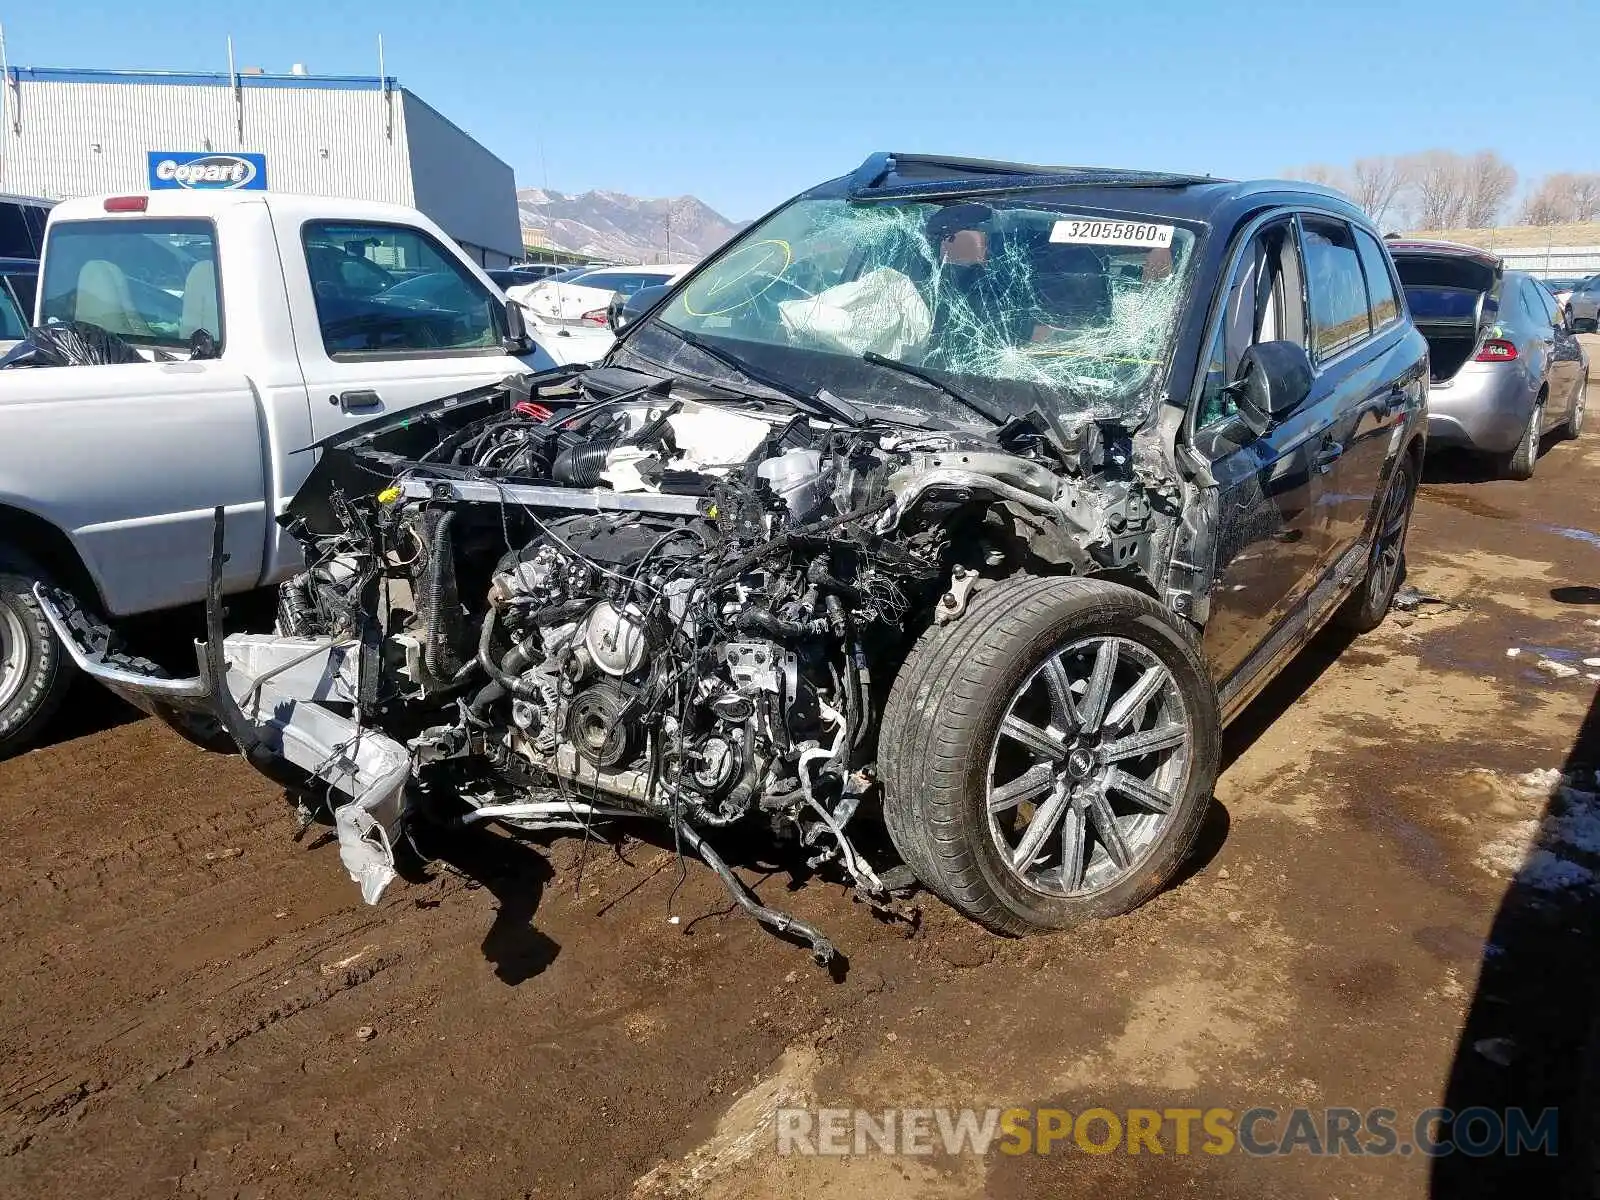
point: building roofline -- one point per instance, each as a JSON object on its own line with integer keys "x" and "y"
{"x": 418, "y": 100}
{"x": 328, "y": 83}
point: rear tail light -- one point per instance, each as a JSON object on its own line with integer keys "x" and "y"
{"x": 1496, "y": 350}
{"x": 595, "y": 316}
{"x": 127, "y": 203}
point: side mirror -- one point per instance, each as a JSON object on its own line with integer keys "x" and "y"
{"x": 516, "y": 340}
{"x": 625, "y": 310}
{"x": 1274, "y": 379}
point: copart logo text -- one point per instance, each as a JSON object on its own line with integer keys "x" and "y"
{"x": 214, "y": 171}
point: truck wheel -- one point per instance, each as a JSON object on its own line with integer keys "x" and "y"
{"x": 1520, "y": 462}
{"x": 1386, "y": 564}
{"x": 1048, "y": 758}
{"x": 34, "y": 672}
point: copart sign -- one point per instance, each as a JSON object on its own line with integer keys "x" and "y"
{"x": 207, "y": 171}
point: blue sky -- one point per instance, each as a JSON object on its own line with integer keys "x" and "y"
{"x": 747, "y": 101}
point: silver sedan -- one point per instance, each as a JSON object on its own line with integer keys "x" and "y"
{"x": 1506, "y": 367}
{"x": 1584, "y": 305}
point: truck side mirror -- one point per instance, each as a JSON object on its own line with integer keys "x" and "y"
{"x": 625, "y": 310}
{"x": 1274, "y": 379}
{"x": 516, "y": 340}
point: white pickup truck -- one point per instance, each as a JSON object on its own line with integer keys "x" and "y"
{"x": 264, "y": 323}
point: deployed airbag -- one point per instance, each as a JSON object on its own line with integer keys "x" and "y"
{"x": 882, "y": 311}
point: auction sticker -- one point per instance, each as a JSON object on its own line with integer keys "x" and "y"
{"x": 1095, "y": 231}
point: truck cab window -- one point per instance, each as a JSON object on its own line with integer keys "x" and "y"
{"x": 390, "y": 289}
{"x": 150, "y": 281}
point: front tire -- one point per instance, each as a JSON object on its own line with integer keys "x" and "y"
{"x": 35, "y": 673}
{"x": 1048, "y": 758}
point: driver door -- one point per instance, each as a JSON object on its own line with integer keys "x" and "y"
{"x": 1271, "y": 529}
{"x": 399, "y": 320}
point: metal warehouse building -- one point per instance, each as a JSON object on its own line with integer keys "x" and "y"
{"x": 77, "y": 132}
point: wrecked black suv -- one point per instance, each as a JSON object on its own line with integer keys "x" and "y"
{"x": 968, "y": 497}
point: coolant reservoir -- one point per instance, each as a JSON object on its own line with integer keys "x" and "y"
{"x": 796, "y": 475}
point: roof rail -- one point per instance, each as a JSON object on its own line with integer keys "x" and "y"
{"x": 1011, "y": 177}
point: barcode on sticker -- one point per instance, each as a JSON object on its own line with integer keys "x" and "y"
{"x": 1096, "y": 232}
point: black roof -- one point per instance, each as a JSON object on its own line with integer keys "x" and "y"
{"x": 901, "y": 176}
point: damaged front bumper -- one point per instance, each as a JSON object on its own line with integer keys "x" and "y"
{"x": 271, "y": 694}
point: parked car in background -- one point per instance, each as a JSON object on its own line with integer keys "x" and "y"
{"x": 520, "y": 289}
{"x": 1561, "y": 287}
{"x": 19, "y": 282}
{"x": 1505, "y": 365}
{"x": 584, "y": 300}
{"x": 534, "y": 272}
{"x": 1583, "y": 306}
{"x": 22, "y": 222}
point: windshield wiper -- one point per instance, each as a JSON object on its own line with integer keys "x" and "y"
{"x": 823, "y": 404}
{"x": 982, "y": 407}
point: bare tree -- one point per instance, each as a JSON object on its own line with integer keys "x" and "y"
{"x": 1586, "y": 198}
{"x": 1550, "y": 203}
{"x": 1487, "y": 183}
{"x": 1376, "y": 184}
{"x": 1563, "y": 197}
{"x": 1439, "y": 188}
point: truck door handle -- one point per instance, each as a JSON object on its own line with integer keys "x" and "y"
{"x": 1327, "y": 456}
{"x": 359, "y": 401}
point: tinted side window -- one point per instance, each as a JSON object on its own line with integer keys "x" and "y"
{"x": 13, "y": 322}
{"x": 1548, "y": 302}
{"x": 34, "y": 217}
{"x": 1380, "y": 284}
{"x": 16, "y": 240}
{"x": 25, "y": 288}
{"x": 391, "y": 289}
{"x": 1531, "y": 308}
{"x": 1335, "y": 287}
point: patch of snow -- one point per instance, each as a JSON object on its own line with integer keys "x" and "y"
{"x": 1513, "y": 652}
{"x": 1559, "y": 669}
{"x": 1543, "y": 781}
{"x": 1559, "y": 852}
{"x": 1546, "y": 871}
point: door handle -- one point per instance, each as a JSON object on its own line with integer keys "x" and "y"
{"x": 358, "y": 401}
{"x": 1327, "y": 456}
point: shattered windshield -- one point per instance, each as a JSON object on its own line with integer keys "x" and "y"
{"x": 1022, "y": 300}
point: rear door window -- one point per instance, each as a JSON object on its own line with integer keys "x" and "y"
{"x": 13, "y": 322}
{"x": 385, "y": 290}
{"x": 16, "y": 238}
{"x": 1335, "y": 287}
{"x": 150, "y": 281}
{"x": 1384, "y": 305}
{"x": 25, "y": 287}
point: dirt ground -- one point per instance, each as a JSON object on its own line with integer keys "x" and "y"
{"x": 1391, "y": 907}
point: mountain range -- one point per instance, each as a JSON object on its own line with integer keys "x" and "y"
{"x": 613, "y": 225}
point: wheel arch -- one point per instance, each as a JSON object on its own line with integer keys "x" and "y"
{"x": 48, "y": 547}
